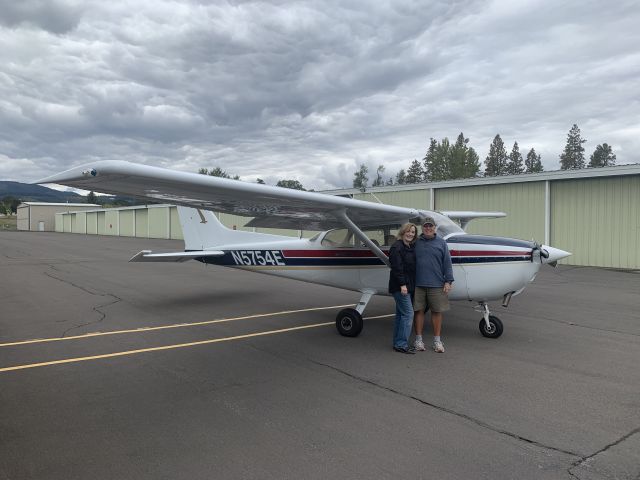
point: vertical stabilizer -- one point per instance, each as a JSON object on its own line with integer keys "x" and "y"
{"x": 203, "y": 231}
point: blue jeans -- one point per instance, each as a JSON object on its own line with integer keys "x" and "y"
{"x": 404, "y": 320}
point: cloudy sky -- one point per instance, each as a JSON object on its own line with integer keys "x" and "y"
{"x": 309, "y": 90}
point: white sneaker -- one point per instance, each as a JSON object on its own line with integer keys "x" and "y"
{"x": 438, "y": 347}
{"x": 419, "y": 345}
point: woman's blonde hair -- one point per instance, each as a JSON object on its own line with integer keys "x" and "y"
{"x": 405, "y": 228}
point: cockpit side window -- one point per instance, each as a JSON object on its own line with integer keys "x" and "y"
{"x": 340, "y": 237}
{"x": 343, "y": 238}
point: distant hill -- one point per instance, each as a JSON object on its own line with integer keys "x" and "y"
{"x": 27, "y": 192}
{"x": 37, "y": 193}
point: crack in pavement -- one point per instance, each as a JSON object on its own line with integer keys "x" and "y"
{"x": 582, "y": 459}
{"x": 96, "y": 308}
{"x": 573, "y": 324}
{"x": 452, "y": 412}
{"x": 585, "y": 459}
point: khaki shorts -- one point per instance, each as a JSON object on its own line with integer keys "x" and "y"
{"x": 434, "y": 299}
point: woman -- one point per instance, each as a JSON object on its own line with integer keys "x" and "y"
{"x": 402, "y": 285}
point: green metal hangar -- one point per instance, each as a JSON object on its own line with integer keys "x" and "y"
{"x": 40, "y": 216}
{"x": 593, "y": 213}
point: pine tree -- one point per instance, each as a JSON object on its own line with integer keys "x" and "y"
{"x": 472, "y": 168}
{"x": 429, "y": 161}
{"x": 602, "y": 156}
{"x": 496, "y": 161}
{"x": 444, "y": 161}
{"x": 573, "y": 155}
{"x": 401, "y": 177}
{"x": 91, "y": 197}
{"x": 515, "y": 165}
{"x": 360, "y": 178}
{"x": 457, "y": 158}
{"x": 533, "y": 163}
{"x": 217, "y": 172}
{"x": 436, "y": 161}
{"x": 441, "y": 167}
{"x": 415, "y": 174}
{"x": 293, "y": 184}
{"x": 379, "y": 181}
{"x": 463, "y": 161}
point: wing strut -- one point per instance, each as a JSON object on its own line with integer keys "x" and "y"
{"x": 342, "y": 216}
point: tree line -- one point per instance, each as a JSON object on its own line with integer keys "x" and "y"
{"x": 218, "y": 172}
{"x": 9, "y": 205}
{"x": 444, "y": 161}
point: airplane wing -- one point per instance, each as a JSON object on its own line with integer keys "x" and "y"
{"x": 464, "y": 217}
{"x": 270, "y": 206}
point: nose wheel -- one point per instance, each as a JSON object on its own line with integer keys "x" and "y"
{"x": 491, "y": 329}
{"x": 490, "y": 326}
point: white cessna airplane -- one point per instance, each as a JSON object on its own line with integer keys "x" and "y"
{"x": 350, "y": 252}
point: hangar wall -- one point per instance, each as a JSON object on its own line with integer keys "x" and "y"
{"x": 524, "y": 204}
{"x": 598, "y": 220}
{"x": 147, "y": 221}
{"x": 41, "y": 216}
{"x": 406, "y": 198}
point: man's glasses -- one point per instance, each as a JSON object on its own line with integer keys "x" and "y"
{"x": 430, "y": 225}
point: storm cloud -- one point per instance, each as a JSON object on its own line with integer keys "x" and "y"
{"x": 309, "y": 90}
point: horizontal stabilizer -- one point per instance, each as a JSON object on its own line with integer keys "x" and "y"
{"x": 464, "y": 217}
{"x": 148, "y": 256}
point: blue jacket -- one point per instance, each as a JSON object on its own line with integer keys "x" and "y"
{"x": 433, "y": 262}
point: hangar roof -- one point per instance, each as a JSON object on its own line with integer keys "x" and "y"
{"x": 618, "y": 170}
{"x": 48, "y": 204}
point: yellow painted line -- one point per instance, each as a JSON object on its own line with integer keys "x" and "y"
{"x": 165, "y": 327}
{"x": 156, "y": 349}
{"x": 380, "y": 316}
{"x": 170, "y": 347}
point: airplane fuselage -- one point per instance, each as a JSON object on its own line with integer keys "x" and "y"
{"x": 485, "y": 268}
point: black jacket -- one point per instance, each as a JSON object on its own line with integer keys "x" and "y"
{"x": 403, "y": 267}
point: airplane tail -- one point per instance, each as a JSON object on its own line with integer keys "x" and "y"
{"x": 203, "y": 231}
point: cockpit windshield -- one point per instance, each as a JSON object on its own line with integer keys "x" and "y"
{"x": 446, "y": 226}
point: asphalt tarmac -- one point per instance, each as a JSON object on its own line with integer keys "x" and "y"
{"x": 202, "y": 372}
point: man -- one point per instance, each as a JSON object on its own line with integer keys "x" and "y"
{"x": 434, "y": 280}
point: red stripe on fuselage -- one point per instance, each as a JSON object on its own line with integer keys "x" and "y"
{"x": 328, "y": 253}
{"x": 488, "y": 253}
{"x": 369, "y": 253}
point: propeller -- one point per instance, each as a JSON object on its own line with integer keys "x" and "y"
{"x": 549, "y": 255}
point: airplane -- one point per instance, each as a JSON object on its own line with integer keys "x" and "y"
{"x": 350, "y": 252}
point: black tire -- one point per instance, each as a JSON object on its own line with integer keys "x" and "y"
{"x": 495, "y": 327}
{"x": 349, "y": 322}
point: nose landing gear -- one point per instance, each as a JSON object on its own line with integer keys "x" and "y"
{"x": 490, "y": 326}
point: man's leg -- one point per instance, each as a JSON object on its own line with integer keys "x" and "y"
{"x": 419, "y": 305}
{"x": 436, "y": 321}
{"x": 418, "y": 322}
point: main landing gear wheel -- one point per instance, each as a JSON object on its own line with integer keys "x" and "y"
{"x": 493, "y": 330}
{"x": 349, "y": 322}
